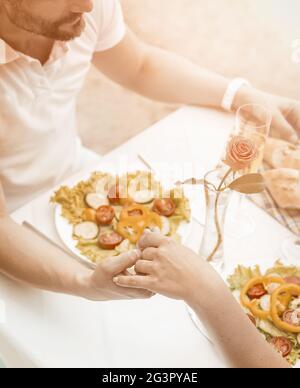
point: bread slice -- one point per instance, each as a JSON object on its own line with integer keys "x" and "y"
{"x": 284, "y": 185}
{"x": 281, "y": 154}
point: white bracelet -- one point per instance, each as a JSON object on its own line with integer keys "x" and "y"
{"x": 232, "y": 89}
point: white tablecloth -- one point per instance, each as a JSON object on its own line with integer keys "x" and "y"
{"x": 44, "y": 329}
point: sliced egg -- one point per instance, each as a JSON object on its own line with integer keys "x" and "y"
{"x": 86, "y": 230}
{"x": 295, "y": 318}
{"x": 295, "y": 305}
{"x": 265, "y": 302}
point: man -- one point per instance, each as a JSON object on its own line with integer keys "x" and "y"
{"x": 46, "y": 49}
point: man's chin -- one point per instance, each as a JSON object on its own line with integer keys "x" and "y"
{"x": 68, "y": 34}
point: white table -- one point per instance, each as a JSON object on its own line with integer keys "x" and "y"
{"x": 42, "y": 329}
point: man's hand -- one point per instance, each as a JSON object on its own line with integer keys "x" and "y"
{"x": 100, "y": 285}
{"x": 170, "y": 269}
{"x": 288, "y": 111}
{"x": 285, "y": 112}
{"x": 167, "y": 77}
{"x": 30, "y": 259}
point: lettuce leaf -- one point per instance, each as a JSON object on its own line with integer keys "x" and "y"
{"x": 242, "y": 276}
{"x": 283, "y": 270}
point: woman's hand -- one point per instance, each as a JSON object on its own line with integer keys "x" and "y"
{"x": 172, "y": 270}
{"x": 285, "y": 112}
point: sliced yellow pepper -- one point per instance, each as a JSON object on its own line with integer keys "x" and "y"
{"x": 257, "y": 311}
{"x": 253, "y": 305}
{"x": 284, "y": 300}
{"x": 290, "y": 289}
{"x": 244, "y": 298}
{"x": 134, "y": 220}
{"x": 272, "y": 279}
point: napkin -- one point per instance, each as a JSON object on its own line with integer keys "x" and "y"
{"x": 288, "y": 218}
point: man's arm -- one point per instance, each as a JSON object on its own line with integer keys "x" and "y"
{"x": 33, "y": 261}
{"x": 159, "y": 74}
{"x": 167, "y": 77}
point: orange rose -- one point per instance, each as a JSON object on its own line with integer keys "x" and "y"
{"x": 241, "y": 152}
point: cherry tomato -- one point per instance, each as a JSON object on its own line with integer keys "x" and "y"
{"x": 105, "y": 215}
{"x": 288, "y": 317}
{"x": 257, "y": 292}
{"x": 282, "y": 345}
{"x": 109, "y": 241}
{"x": 114, "y": 194}
{"x": 164, "y": 207}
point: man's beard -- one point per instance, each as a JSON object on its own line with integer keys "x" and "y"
{"x": 53, "y": 30}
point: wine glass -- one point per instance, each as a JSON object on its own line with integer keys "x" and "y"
{"x": 253, "y": 121}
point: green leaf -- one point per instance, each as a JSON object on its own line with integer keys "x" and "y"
{"x": 249, "y": 184}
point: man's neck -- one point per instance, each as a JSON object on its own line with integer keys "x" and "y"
{"x": 33, "y": 45}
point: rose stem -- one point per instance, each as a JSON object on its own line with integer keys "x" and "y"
{"x": 217, "y": 223}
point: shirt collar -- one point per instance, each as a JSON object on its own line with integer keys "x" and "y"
{"x": 58, "y": 51}
{"x": 8, "y": 54}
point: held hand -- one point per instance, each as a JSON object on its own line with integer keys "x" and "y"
{"x": 170, "y": 269}
{"x": 100, "y": 286}
{"x": 285, "y": 112}
{"x": 288, "y": 112}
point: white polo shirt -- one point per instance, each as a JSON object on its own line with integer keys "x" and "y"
{"x": 39, "y": 145}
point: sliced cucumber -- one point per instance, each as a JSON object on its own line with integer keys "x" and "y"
{"x": 95, "y": 200}
{"x": 86, "y": 230}
{"x": 143, "y": 196}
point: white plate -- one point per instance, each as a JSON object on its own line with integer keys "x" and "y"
{"x": 65, "y": 232}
